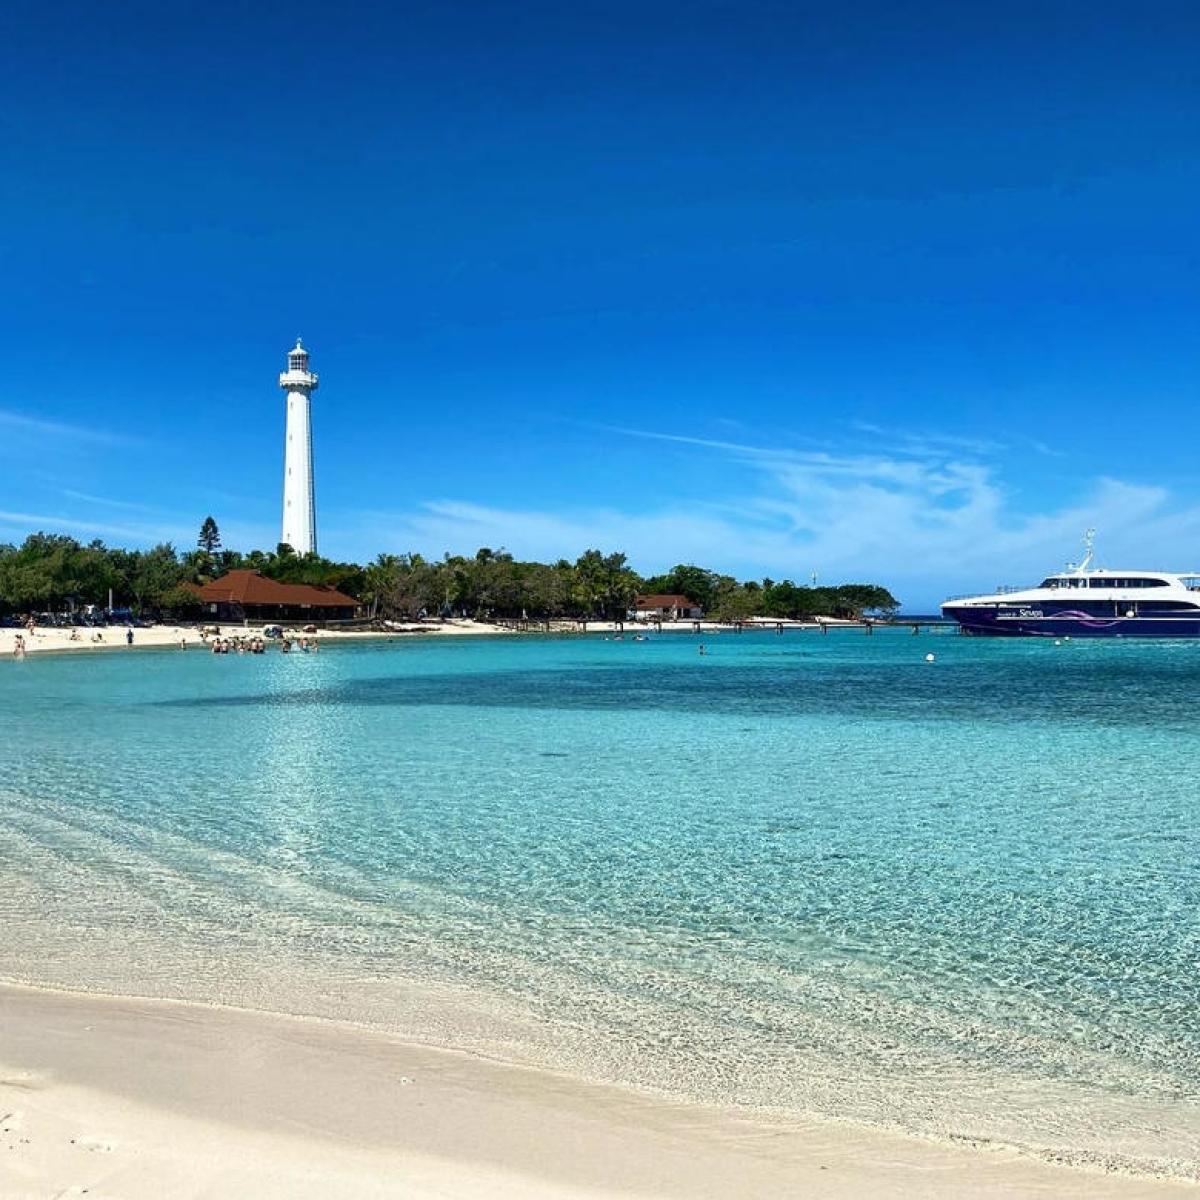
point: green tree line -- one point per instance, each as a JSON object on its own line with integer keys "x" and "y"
{"x": 55, "y": 573}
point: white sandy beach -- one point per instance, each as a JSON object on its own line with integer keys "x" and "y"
{"x": 113, "y": 637}
{"x": 141, "y": 1099}
{"x": 158, "y": 636}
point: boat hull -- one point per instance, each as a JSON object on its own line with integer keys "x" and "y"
{"x": 1037, "y": 622}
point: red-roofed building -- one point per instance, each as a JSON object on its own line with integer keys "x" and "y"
{"x": 250, "y": 595}
{"x": 665, "y": 608}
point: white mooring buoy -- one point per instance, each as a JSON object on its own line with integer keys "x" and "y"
{"x": 929, "y": 658}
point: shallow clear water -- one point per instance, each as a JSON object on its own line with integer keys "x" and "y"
{"x": 803, "y": 873}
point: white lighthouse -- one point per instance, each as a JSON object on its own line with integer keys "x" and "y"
{"x": 299, "y": 508}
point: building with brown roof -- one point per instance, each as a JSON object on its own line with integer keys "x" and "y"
{"x": 665, "y": 608}
{"x": 251, "y": 596}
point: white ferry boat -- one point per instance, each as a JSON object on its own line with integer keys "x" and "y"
{"x": 1085, "y": 601}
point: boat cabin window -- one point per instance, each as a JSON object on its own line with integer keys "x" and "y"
{"x": 1134, "y": 581}
{"x": 1122, "y": 582}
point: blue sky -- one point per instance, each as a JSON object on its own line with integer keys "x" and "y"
{"x": 905, "y": 293}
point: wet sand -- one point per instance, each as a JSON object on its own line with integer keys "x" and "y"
{"x": 110, "y": 1097}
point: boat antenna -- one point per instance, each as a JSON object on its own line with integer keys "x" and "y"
{"x": 1089, "y": 538}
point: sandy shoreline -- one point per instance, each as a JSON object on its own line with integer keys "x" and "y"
{"x": 149, "y": 1098}
{"x": 46, "y": 640}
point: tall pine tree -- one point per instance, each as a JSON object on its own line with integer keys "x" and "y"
{"x": 210, "y": 536}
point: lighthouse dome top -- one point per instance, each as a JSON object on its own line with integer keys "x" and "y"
{"x": 297, "y": 375}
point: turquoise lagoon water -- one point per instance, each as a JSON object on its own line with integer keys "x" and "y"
{"x": 801, "y": 874}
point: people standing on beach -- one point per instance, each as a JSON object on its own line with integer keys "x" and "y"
{"x": 19, "y": 647}
{"x": 129, "y": 636}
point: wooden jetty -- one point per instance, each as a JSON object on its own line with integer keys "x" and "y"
{"x": 915, "y": 625}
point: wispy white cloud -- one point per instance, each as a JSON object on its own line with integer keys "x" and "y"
{"x": 928, "y": 442}
{"x": 16, "y": 526}
{"x": 105, "y": 501}
{"x": 931, "y": 513}
{"x": 924, "y": 512}
{"x": 23, "y": 523}
{"x": 459, "y": 526}
{"x": 684, "y": 439}
{"x": 21, "y": 425}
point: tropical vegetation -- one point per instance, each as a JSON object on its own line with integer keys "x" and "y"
{"x": 55, "y": 573}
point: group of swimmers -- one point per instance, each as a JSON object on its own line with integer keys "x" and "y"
{"x": 239, "y": 645}
{"x": 257, "y": 645}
